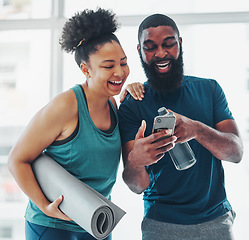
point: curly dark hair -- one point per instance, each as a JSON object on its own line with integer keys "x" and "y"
{"x": 86, "y": 31}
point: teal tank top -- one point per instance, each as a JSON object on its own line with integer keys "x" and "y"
{"x": 92, "y": 156}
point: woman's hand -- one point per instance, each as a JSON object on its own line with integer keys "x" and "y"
{"x": 135, "y": 89}
{"x": 52, "y": 210}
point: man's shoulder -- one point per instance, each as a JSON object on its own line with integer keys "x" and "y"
{"x": 198, "y": 81}
{"x": 189, "y": 78}
{"x": 129, "y": 100}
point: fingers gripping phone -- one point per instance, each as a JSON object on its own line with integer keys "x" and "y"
{"x": 164, "y": 120}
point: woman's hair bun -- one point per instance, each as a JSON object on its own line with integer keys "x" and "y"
{"x": 86, "y": 25}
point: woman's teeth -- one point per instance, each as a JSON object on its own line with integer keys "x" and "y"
{"x": 116, "y": 82}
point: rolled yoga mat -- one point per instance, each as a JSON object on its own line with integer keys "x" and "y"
{"x": 85, "y": 206}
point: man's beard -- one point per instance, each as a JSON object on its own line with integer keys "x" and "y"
{"x": 164, "y": 82}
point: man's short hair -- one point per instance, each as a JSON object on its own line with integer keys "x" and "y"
{"x": 156, "y": 20}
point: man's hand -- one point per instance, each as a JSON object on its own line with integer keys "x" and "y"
{"x": 185, "y": 128}
{"x": 223, "y": 141}
{"x": 139, "y": 153}
{"x": 149, "y": 150}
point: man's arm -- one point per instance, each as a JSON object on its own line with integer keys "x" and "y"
{"x": 223, "y": 141}
{"x": 136, "y": 177}
{"x": 141, "y": 152}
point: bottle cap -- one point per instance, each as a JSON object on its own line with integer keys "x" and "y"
{"x": 162, "y": 111}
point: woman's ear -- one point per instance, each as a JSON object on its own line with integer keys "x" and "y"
{"x": 84, "y": 69}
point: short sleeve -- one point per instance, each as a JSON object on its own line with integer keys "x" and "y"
{"x": 221, "y": 109}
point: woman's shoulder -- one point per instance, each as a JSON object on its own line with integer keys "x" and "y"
{"x": 64, "y": 104}
{"x": 65, "y": 99}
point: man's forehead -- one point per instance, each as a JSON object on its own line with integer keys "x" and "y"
{"x": 157, "y": 32}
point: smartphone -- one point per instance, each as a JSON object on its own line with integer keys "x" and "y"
{"x": 164, "y": 120}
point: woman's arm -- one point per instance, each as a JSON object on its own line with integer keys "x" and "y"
{"x": 52, "y": 122}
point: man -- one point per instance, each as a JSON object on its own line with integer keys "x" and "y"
{"x": 189, "y": 204}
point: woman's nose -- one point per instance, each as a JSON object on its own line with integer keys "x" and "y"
{"x": 119, "y": 72}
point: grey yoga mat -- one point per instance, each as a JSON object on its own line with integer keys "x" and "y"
{"x": 85, "y": 206}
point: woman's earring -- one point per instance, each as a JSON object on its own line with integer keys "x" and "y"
{"x": 88, "y": 75}
{"x": 84, "y": 69}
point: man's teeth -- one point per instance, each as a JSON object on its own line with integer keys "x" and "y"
{"x": 162, "y": 65}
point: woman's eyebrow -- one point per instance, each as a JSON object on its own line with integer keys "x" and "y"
{"x": 108, "y": 60}
{"x": 123, "y": 58}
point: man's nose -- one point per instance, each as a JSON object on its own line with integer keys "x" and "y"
{"x": 161, "y": 52}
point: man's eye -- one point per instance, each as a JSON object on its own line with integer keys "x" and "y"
{"x": 149, "y": 48}
{"x": 170, "y": 44}
{"x": 123, "y": 64}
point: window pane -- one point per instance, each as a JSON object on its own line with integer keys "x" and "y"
{"x": 24, "y": 76}
{"x": 25, "y": 9}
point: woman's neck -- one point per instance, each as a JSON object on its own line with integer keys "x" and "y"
{"x": 98, "y": 108}
{"x": 94, "y": 98}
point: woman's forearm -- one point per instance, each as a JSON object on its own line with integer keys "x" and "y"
{"x": 23, "y": 174}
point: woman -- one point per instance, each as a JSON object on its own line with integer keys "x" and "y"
{"x": 78, "y": 128}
